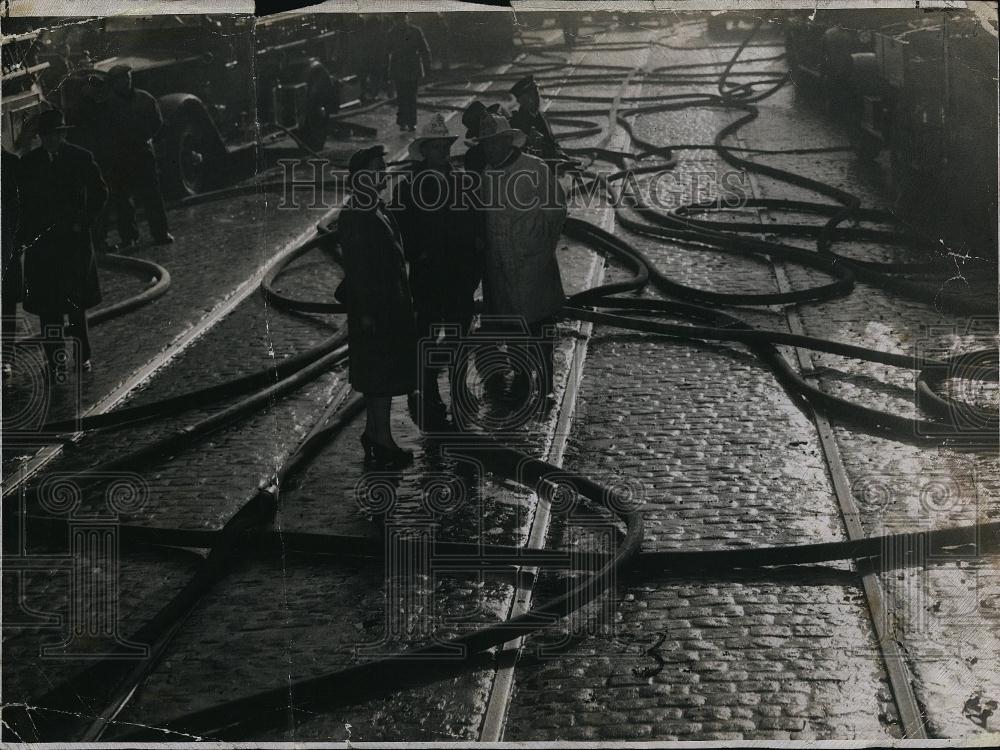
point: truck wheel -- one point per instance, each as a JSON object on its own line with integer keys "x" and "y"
{"x": 322, "y": 101}
{"x": 187, "y": 147}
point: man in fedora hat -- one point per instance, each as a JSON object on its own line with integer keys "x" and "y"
{"x": 529, "y": 119}
{"x": 523, "y": 208}
{"x": 435, "y": 209}
{"x": 133, "y": 174}
{"x": 474, "y": 159}
{"x": 62, "y": 193}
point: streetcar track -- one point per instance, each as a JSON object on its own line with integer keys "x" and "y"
{"x": 502, "y": 688}
{"x": 555, "y": 445}
{"x": 899, "y": 675}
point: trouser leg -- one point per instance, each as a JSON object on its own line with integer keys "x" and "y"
{"x": 121, "y": 202}
{"x": 52, "y": 336}
{"x": 79, "y": 330}
{"x": 8, "y": 330}
{"x": 99, "y": 229}
{"x": 146, "y": 189}
{"x": 543, "y": 338}
{"x": 461, "y": 356}
{"x": 429, "y": 372}
{"x": 491, "y": 362}
{"x": 406, "y": 96}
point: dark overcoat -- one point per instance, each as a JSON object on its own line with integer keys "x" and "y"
{"x": 60, "y": 198}
{"x": 8, "y": 232}
{"x": 437, "y": 216}
{"x": 384, "y": 361}
{"x": 409, "y": 55}
{"x": 542, "y": 140}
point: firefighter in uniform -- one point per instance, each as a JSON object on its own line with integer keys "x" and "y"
{"x": 409, "y": 62}
{"x": 435, "y": 210}
{"x": 529, "y": 120}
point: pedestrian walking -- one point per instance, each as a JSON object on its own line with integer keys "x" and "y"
{"x": 409, "y": 62}
{"x": 62, "y": 193}
{"x": 524, "y": 209}
{"x": 12, "y": 277}
{"x": 528, "y": 118}
{"x": 380, "y": 324}
{"x": 133, "y": 174}
{"x": 440, "y": 227}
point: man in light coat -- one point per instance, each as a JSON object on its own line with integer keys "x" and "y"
{"x": 524, "y": 208}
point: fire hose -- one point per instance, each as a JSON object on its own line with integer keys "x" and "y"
{"x": 246, "y": 534}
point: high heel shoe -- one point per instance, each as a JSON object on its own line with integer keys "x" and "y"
{"x": 378, "y": 456}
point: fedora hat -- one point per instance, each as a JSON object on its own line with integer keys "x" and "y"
{"x": 471, "y": 117}
{"x": 494, "y": 126}
{"x": 436, "y": 129}
{"x": 524, "y": 85}
{"x": 360, "y": 159}
{"x": 51, "y": 121}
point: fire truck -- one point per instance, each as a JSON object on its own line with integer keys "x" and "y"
{"x": 922, "y": 87}
{"x": 22, "y": 97}
{"x": 223, "y": 82}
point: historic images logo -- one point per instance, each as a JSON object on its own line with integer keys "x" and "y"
{"x": 46, "y": 373}
{"x": 317, "y": 183}
{"x": 436, "y": 590}
{"x": 86, "y": 622}
{"x": 928, "y": 589}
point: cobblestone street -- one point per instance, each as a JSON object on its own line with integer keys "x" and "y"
{"x": 702, "y": 436}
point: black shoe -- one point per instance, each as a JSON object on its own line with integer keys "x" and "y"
{"x": 167, "y": 239}
{"x": 378, "y": 456}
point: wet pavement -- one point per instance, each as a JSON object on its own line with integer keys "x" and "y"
{"x": 701, "y": 434}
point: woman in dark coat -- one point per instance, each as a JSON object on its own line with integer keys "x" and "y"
{"x": 62, "y": 194}
{"x": 380, "y": 324}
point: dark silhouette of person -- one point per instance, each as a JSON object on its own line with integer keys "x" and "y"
{"x": 381, "y": 330}
{"x": 409, "y": 63}
{"x": 133, "y": 173}
{"x": 62, "y": 194}
{"x": 436, "y": 210}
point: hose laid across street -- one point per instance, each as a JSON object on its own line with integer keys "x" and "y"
{"x": 247, "y": 534}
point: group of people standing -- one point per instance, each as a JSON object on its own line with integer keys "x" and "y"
{"x": 117, "y": 123}
{"x": 56, "y": 204}
{"x": 412, "y": 267}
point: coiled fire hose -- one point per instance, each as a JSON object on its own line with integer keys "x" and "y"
{"x": 246, "y": 534}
